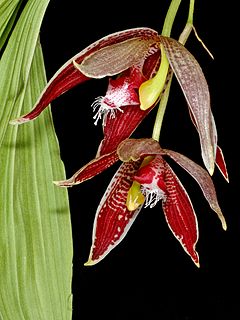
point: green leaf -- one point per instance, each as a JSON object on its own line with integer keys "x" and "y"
{"x": 8, "y": 13}
{"x": 35, "y": 235}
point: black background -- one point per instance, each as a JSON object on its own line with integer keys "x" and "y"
{"x": 149, "y": 276}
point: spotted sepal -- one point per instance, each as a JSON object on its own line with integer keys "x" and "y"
{"x": 113, "y": 219}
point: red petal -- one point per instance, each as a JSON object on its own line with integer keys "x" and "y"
{"x": 121, "y": 127}
{"x": 68, "y": 76}
{"x": 221, "y": 163}
{"x": 180, "y": 214}
{"x": 90, "y": 170}
{"x": 113, "y": 219}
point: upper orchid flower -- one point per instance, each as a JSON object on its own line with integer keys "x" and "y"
{"x": 117, "y": 210}
{"x": 140, "y": 59}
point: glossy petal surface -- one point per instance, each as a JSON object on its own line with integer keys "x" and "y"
{"x": 121, "y": 127}
{"x": 90, "y": 170}
{"x": 180, "y": 214}
{"x": 113, "y": 219}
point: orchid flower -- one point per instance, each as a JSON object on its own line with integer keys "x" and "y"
{"x": 140, "y": 60}
{"x": 114, "y": 215}
{"x": 139, "y": 63}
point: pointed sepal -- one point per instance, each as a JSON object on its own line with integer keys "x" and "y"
{"x": 90, "y": 170}
{"x": 119, "y": 56}
{"x": 221, "y": 164}
{"x": 113, "y": 219}
{"x": 195, "y": 88}
{"x": 180, "y": 215}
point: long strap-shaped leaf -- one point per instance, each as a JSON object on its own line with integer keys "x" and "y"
{"x": 8, "y": 13}
{"x": 35, "y": 228}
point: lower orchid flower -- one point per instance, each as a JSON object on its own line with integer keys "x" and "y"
{"x": 157, "y": 182}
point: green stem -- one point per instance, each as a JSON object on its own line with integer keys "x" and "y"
{"x": 189, "y": 25}
{"x": 170, "y": 17}
{"x": 161, "y": 111}
{"x": 166, "y": 31}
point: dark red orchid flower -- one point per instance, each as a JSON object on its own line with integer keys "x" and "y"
{"x": 134, "y": 57}
{"x": 157, "y": 181}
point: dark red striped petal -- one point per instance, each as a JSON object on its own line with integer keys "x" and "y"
{"x": 220, "y": 162}
{"x": 113, "y": 219}
{"x": 90, "y": 170}
{"x": 65, "y": 79}
{"x": 121, "y": 127}
{"x": 180, "y": 214}
{"x": 68, "y": 76}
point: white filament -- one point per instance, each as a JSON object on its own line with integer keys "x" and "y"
{"x": 152, "y": 196}
{"x": 103, "y": 109}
